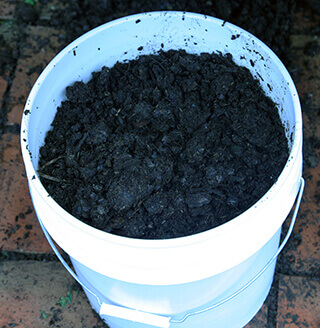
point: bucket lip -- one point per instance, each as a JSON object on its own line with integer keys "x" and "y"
{"x": 34, "y": 180}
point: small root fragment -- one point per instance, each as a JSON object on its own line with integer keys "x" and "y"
{"x": 50, "y": 162}
{"x": 49, "y": 177}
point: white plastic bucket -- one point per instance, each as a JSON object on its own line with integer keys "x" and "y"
{"x": 180, "y": 280}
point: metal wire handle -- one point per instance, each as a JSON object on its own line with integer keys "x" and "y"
{"x": 165, "y": 321}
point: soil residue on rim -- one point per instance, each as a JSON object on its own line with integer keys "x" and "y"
{"x": 266, "y": 19}
{"x": 163, "y": 146}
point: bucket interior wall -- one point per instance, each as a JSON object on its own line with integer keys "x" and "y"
{"x": 132, "y": 272}
{"x": 94, "y": 52}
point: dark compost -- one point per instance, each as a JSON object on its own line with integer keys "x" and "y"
{"x": 163, "y": 146}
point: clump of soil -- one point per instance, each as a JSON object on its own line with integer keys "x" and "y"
{"x": 163, "y": 146}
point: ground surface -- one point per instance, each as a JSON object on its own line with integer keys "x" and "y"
{"x": 33, "y": 285}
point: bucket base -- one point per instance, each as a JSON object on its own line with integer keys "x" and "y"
{"x": 236, "y": 312}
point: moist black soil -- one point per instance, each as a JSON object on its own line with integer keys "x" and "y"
{"x": 163, "y": 146}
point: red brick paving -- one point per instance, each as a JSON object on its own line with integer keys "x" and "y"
{"x": 32, "y": 62}
{"x": 7, "y": 9}
{"x": 299, "y": 304}
{"x": 29, "y": 287}
{"x": 30, "y": 291}
{"x": 299, "y": 296}
{"x": 306, "y": 252}
{"x": 19, "y": 227}
{"x": 16, "y": 207}
{"x": 3, "y": 87}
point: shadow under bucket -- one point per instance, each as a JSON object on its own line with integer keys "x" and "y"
{"x": 180, "y": 282}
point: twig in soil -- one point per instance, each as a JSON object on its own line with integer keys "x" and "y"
{"x": 50, "y": 162}
{"x": 77, "y": 148}
{"x": 49, "y": 177}
{"x": 157, "y": 62}
{"x": 137, "y": 207}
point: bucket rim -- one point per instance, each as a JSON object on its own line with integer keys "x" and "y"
{"x": 170, "y": 242}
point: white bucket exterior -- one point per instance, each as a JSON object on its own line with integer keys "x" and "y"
{"x": 171, "y": 276}
{"x": 178, "y": 300}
